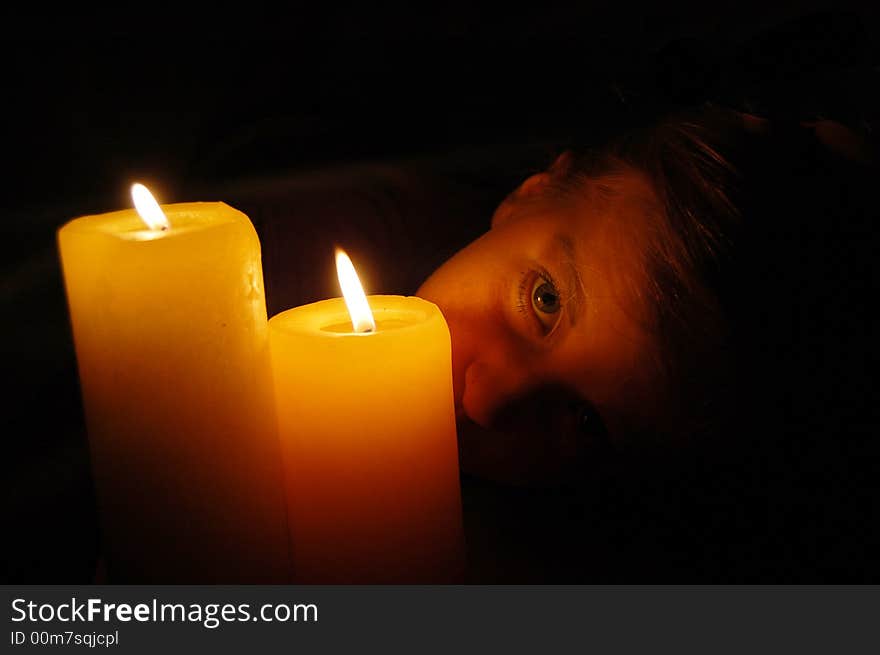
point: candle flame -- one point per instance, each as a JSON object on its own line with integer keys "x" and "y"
{"x": 355, "y": 298}
{"x": 148, "y": 209}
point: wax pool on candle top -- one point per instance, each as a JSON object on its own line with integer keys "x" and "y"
{"x": 367, "y": 426}
{"x": 172, "y": 346}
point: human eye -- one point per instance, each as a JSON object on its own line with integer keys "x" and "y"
{"x": 589, "y": 423}
{"x": 540, "y": 300}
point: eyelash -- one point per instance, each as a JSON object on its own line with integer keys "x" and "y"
{"x": 524, "y": 297}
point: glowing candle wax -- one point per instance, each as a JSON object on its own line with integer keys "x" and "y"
{"x": 367, "y": 425}
{"x": 169, "y": 324}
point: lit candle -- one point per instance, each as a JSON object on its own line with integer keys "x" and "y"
{"x": 367, "y": 426}
{"x": 169, "y": 323}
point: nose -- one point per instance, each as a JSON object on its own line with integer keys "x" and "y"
{"x": 489, "y": 363}
{"x": 487, "y": 368}
{"x": 490, "y": 383}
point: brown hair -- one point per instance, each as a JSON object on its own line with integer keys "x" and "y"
{"x": 737, "y": 261}
{"x": 694, "y": 222}
{"x": 763, "y": 286}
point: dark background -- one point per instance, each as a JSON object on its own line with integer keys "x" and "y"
{"x": 323, "y": 115}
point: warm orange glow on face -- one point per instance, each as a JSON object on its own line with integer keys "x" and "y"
{"x": 355, "y": 298}
{"x": 148, "y": 209}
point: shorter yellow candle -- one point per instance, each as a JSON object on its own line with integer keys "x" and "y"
{"x": 367, "y": 427}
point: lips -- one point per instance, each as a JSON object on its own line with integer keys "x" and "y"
{"x": 504, "y": 457}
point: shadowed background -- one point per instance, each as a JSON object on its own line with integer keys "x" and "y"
{"x": 394, "y": 135}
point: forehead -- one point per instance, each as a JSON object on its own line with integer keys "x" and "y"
{"x": 615, "y": 222}
{"x": 622, "y": 203}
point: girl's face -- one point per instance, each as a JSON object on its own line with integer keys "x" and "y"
{"x": 552, "y": 355}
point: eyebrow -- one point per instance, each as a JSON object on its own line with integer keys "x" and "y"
{"x": 576, "y": 299}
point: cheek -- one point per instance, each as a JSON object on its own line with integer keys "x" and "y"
{"x": 623, "y": 383}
